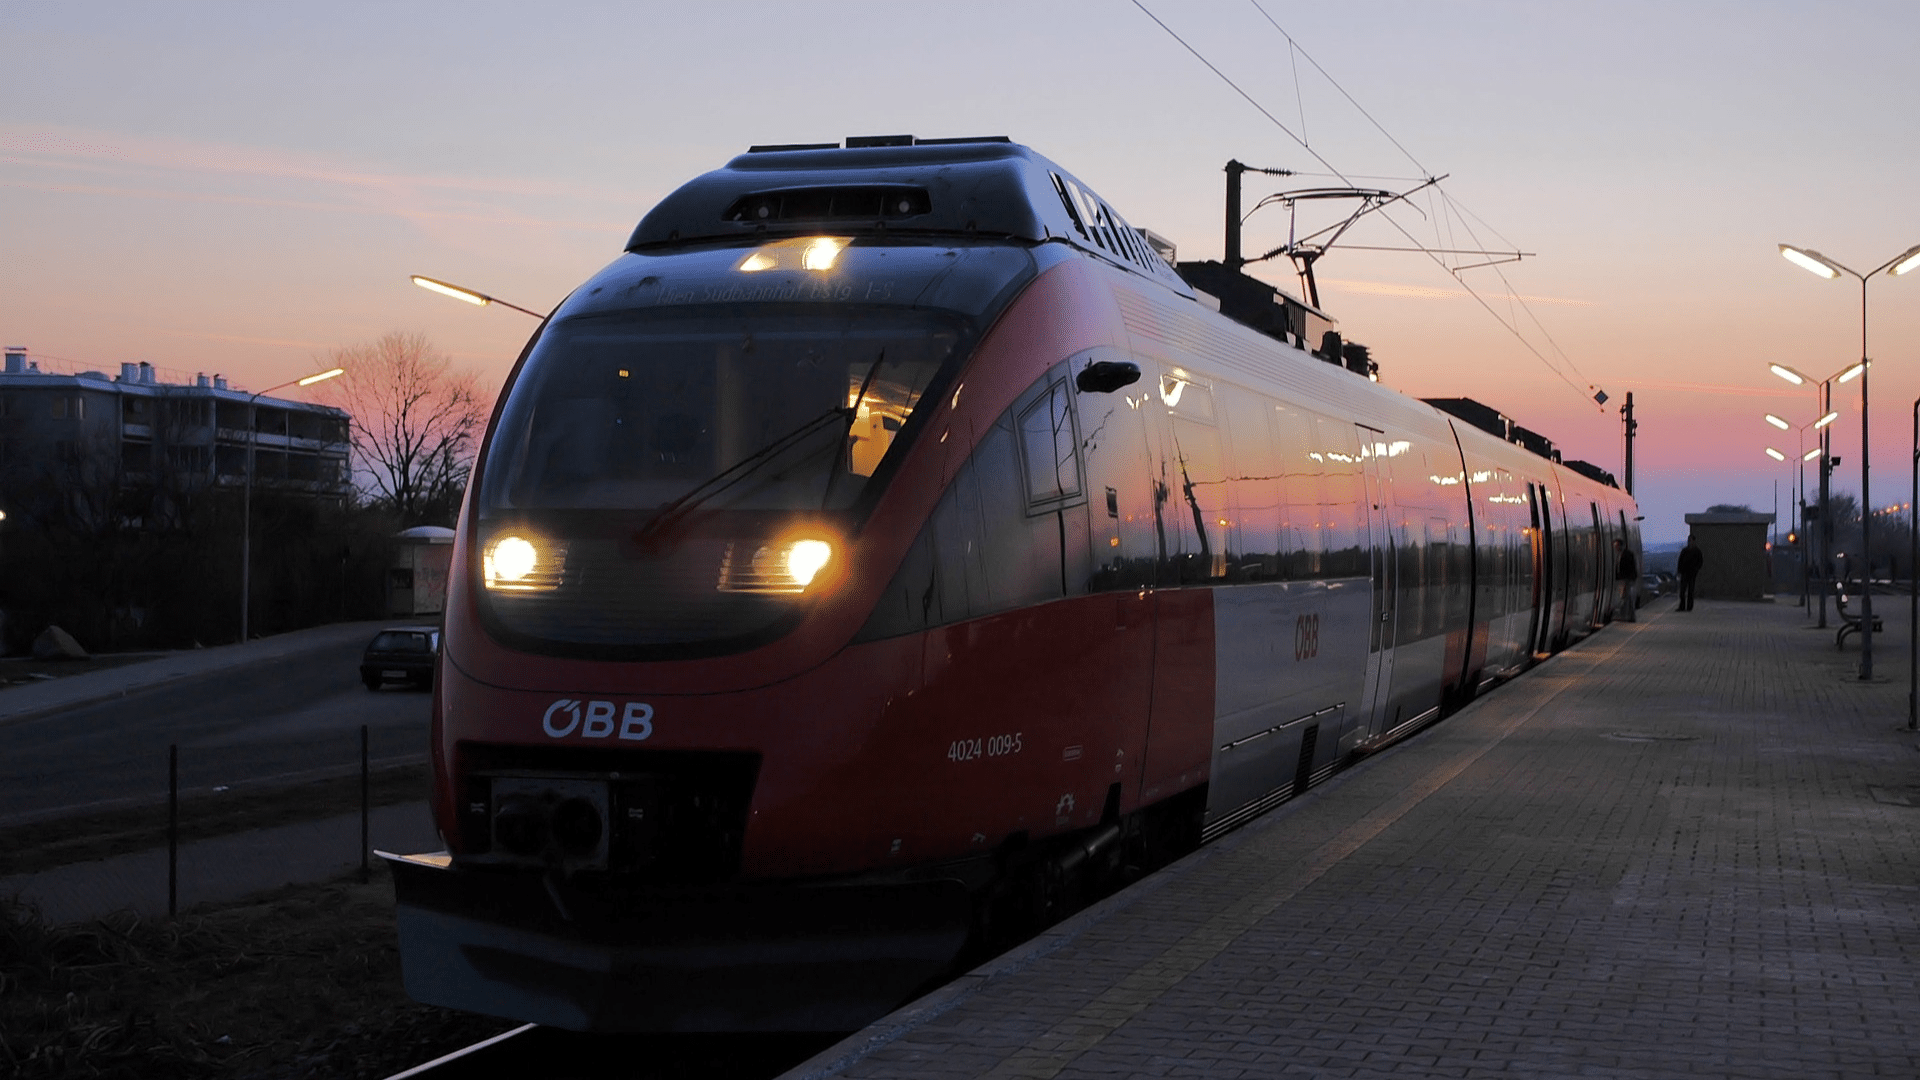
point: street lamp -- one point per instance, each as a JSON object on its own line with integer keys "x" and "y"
{"x": 1771, "y": 548}
{"x": 1800, "y": 500}
{"x": 246, "y": 500}
{"x": 1808, "y": 259}
{"x": 1823, "y": 397}
{"x": 478, "y": 299}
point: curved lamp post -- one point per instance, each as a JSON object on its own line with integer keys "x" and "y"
{"x": 1817, "y": 424}
{"x": 246, "y": 502}
{"x": 478, "y": 299}
{"x": 1814, "y": 262}
{"x": 1823, "y": 393}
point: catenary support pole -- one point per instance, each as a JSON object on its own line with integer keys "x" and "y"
{"x": 1231, "y": 257}
{"x": 366, "y": 871}
{"x": 1631, "y": 426}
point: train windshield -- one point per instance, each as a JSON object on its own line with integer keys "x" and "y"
{"x": 744, "y": 413}
{"x": 664, "y": 485}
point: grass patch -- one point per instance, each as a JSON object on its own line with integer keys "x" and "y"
{"x": 26, "y": 849}
{"x": 303, "y": 982}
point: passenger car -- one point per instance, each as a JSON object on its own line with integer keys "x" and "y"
{"x": 401, "y": 653}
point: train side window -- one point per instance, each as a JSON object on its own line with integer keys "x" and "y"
{"x": 1306, "y": 459}
{"x": 1066, "y": 200}
{"x": 1199, "y": 488}
{"x": 1184, "y": 397}
{"x": 1343, "y": 491}
{"x": 1049, "y": 448}
{"x": 1256, "y": 490}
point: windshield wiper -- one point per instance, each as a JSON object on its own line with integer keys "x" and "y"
{"x": 679, "y": 509}
{"x": 853, "y": 417}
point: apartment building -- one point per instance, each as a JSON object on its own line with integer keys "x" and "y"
{"x": 76, "y": 443}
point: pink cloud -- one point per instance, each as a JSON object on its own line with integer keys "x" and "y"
{"x": 1428, "y": 292}
{"x": 221, "y": 173}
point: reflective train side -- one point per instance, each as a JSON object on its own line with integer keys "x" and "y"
{"x": 1121, "y": 574}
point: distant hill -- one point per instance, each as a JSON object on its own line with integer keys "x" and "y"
{"x": 1659, "y": 557}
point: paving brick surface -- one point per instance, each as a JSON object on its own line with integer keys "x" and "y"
{"x": 1683, "y": 848}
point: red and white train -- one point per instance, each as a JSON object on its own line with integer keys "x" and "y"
{"x": 890, "y": 540}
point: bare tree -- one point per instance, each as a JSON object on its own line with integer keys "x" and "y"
{"x": 416, "y": 424}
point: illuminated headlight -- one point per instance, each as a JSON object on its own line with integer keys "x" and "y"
{"x": 785, "y": 567}
{"x": 820, "y": 253}
{"x": 514, "y": 563}
{"x": 805, "y": 558}
{"x": 816, "y": 253}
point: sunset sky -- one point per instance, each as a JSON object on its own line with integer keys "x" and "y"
{"x": 242, "y": 188}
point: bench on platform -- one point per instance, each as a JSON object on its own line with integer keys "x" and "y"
{"x": 1849, "y": 620}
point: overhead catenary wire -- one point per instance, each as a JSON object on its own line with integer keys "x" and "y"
{"x": 1513, "y": 295}
{"x": 1295, "y": 46}
{"x": 1510, "y": 323}
{"x": 1455, "y": 207}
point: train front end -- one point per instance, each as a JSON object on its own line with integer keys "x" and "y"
{"x": 661, "y": 746}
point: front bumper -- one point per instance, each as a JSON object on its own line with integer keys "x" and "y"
{"x": 602, "y": 957}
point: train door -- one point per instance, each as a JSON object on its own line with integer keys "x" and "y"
{"x": 1127, "y": 548}
{"x": 1543, "y": 568}
{"x": 1630, "y": 542}
{"x": 1375, "y": 690}
{"x": 1602, "y": 568}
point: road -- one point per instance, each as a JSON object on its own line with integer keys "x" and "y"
{"x": 278, "y": 717}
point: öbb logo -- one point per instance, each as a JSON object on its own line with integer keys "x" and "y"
{"x": 1306, "y": 637}
{"x": 564, "y": 716}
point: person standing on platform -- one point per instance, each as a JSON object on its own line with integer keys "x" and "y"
{"x": 1691, "y": 559}
{"x": 1625, "y": 571}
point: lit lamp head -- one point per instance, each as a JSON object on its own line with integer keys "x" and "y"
{"x": 1811, "y": 454}
{"x": 322, "y": 376}
{"x": 1852, "y": 373}
{"x": 1910, "y": 260}
{"x": 455, "y": 291}
{"x": 1811, "y": 261}
{"x": 1788, "y": 374}
{"x": 1825, "y": 420}
{"x": 1775, "y": 454}
{"x": 1779, "y": 423}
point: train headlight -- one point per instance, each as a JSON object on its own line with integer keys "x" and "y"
{"x": 805, "y": 558}
{"x": 783, "y": 566}
{"x": 513, "y": 563}
{"x": 817, "y": 253}
{"x": 512, "y": 559}
{"x": 820, "y": 253}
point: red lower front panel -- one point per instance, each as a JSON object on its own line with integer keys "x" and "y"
{"x": 901, "y": 752}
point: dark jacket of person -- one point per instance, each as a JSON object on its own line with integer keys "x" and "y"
{"x": 1626, "y": 569}
{"x": 1691, "y": 559}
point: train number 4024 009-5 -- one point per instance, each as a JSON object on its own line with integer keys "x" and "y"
{"x": 984, "y": 746}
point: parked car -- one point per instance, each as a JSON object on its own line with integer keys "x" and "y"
{"x": 1650, "y": 587}
{"x": 401, "y": 654}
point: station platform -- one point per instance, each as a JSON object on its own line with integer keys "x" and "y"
{"x": 1685, "y": 847}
